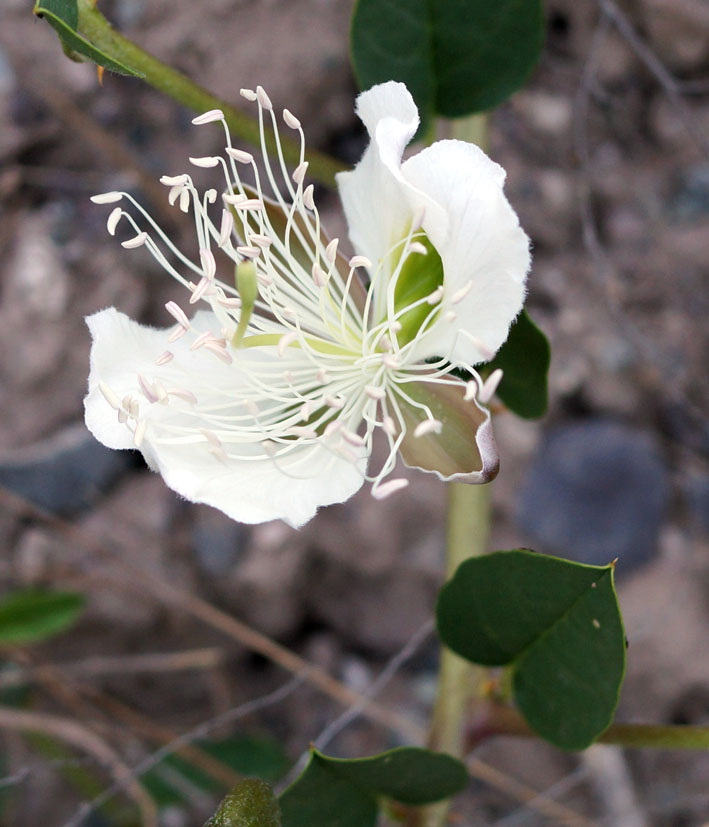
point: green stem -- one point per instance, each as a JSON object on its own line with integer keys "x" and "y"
{"x": 503, "y": 720}
{"x": 659, "y": 737}
{"x": 473, "y": 129}
{"x": 459, "y": 682}
{"x": 95, "y": 28}
{"x": 468, "y": 527}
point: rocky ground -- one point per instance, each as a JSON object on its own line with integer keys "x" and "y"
{"x": 606, "y": 152}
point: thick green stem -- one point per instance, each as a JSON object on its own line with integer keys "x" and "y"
{"x": 95, "y": 28}
{"x": 504, "y": 720}
{"x": 468, "y": 527}
{"x": 459, "y": 682}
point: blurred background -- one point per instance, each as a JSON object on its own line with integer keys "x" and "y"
{"x": 608, "y": 167}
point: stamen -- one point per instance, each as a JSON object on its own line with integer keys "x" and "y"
{"x": 139, "y": 433}
{"x": 385, "y": 489}
{"x": 428, "y": 426}
{"x": 308, "y": 199}
{"x": 112, "y": 222}
{"x": 200, "y": 340}
{"x": 299, "y": 172}
{"x": 183, "y": 393}
{"x": 352, "y": 437}
{"x": 263, "y": 98}
{"x": 459, "y": 295}
{"x": 375, "y": 393}
{"x": 249, "y": 94}
{"x": 146, "y": 387}
{"x": 164, "y": 358}
{"x": 138, "y": 241}
{"x": 206, "y": 162}
{"x": 218, "y": 350}
{"x": 208, "y": 117}
{"x": 175, "y": 180}
{"x": 226, "y": 227}
{"x": 290, "y": 119}
{"x": 331, "y": 250}
{"x": 178, "y": 314}
{"x": 471, "y": 390}
{"x": 334, "y": 402}
{"x": 360, "y": 261}
{"x": 110, "y": 396}
{"x": 107, "y": 197}
{"x": 490, "y": 385}
{"x": 286, "y": 340}
{"x": 200, "y": 290}
{"x": 436, "y": 296}
{"x": 209, "y": 265}
{"x": 240, "y": 155}
{"x": 249, "y": 252}
{"x": 176, "y": 334}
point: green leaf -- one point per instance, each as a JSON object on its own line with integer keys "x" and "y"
{"x": 250, "y": 804}
{"x": 28, "y": 616}
{"x": 556, "y": 622}
{"x": 63, "y": 17}
{"x": 334, "y": 792}
{"x": 524, "y": 359}
{"x": 455, "y": 56}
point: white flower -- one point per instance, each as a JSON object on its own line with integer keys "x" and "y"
{"x": 265, "y": 402}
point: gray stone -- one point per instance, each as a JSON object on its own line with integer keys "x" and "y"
{"x": 697, "y": 496}
{"x": 218, "y": 542}
{"x": 65, "y": 473}
{"x": 597, "y": 490}
{"x": 690, "y": 198}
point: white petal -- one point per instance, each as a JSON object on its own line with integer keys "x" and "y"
{"x": 479, "y": 240}
{"x": 376, "y": 213}
{"x": 250, "y": 491}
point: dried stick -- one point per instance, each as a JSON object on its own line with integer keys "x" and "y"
{"x": 79, "y": 736}
{"x": 99, "y": 666}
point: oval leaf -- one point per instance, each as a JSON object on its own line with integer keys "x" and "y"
{"x": 524, "y": 359}
{"x": 250, "y": 804}
{"x": 455, "y": 58}
{"x": 556, "y": 622}
{"x": 63, "y": 17}
{"x": 28, "y": 616}
{"x": 334, "y": 792}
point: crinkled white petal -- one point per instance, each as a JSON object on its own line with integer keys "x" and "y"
{"x": 481, "y": 241}
{"x": 377, "y": 215}
{"x": 247, "y": 490}
{"x": 459, "y": 192}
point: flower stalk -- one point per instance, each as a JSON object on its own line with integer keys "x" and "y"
{"x": 460, "y": 683}
{"x": 94, "y": 26}
{"x": 497, "y": 719}
{"x": 468, "y": 527}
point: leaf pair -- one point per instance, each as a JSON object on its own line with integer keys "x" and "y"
{"x": 555, "y": 623}
{"x": 333, "y": 792}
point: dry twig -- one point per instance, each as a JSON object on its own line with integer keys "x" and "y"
{"x": 79, "y": 736}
